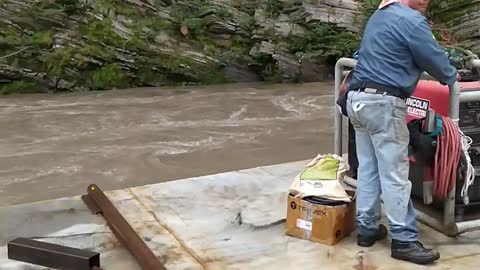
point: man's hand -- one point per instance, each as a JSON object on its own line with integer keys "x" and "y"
{"x": 458, "y": 79}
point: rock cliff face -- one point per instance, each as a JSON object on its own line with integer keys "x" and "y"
{"x": 102, "y": 44}
{"x": 461, "y": 19}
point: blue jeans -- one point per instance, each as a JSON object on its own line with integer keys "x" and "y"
{"x": 382, "y": 139}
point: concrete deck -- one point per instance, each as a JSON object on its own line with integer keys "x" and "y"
{"x": 232, "y": 220}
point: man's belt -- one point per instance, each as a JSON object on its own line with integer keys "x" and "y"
{"x": 375, "y": 88}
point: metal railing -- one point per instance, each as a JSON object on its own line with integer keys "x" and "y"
{"x": 447, "y": 225}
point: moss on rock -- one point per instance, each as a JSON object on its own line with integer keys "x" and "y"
{"x": 23, "y": 87}
{"x": 109, "y": 76}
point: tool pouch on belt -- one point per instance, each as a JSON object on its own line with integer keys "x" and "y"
{"x": 342, "y": 98}
{"x": 342, "y": 103}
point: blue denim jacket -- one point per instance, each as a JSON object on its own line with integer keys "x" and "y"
{"x": 397, "y": 46}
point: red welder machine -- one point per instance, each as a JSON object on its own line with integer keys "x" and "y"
{"x": 444, "y": 125}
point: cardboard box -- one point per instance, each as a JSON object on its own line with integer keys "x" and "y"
{"x": 319, "y": 223}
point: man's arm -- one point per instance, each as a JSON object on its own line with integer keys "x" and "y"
{"x": 429, "y": 55}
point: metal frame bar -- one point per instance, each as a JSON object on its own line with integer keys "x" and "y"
{"x": 52, "y": 255}
{"x": 448, "y": 225}
{"x": 98, "y": 202}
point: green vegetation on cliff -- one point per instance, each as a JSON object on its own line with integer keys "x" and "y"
{"x": 65, "y": 45}
{"x": 83, "y": 45}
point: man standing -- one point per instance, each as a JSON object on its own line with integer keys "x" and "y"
{"x": 397, "y": 46}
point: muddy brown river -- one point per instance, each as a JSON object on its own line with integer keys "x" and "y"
{"x": 53, "y": 146}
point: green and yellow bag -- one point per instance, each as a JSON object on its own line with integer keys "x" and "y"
{"x": 322, "y": 177}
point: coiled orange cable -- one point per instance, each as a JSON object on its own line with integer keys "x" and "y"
{"x": 447, "y": 158}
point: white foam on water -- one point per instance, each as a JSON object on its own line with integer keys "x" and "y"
{"x": 235, "y": 116}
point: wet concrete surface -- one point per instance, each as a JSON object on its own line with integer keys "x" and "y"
{"x": 233, "y": 220}
{"x": 52, "y": 146}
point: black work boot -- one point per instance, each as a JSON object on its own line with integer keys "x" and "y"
{"x": 413, "y": 252}
{"x": 368, "y": 241}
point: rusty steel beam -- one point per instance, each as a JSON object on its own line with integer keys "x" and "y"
{"x": 52, "y": 255}
{"x": 98, "y": 202}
